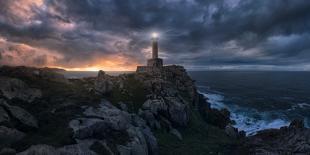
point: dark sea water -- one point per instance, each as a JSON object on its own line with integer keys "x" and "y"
{"x": 258, "y": 100}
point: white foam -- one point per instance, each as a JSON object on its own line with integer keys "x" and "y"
{"x": 244, "y": 117}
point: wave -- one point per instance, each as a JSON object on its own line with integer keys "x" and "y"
{"x": 248, "y": 120}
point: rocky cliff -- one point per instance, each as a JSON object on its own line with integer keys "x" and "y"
{"x": 158, "y": 112}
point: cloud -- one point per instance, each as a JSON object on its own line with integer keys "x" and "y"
{"x": 201, "y": 33}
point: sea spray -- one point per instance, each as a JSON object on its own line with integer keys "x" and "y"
{"x": 249, "y": 120}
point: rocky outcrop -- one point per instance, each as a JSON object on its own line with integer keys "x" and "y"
{"x": 127, "y": 132}
{"x": 294, "y": 139}
{"x": 9, "y": 136}
{"x": 15, "y": 88}
{"x": 103, "y": 83}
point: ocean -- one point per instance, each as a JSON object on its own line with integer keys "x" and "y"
{"x": 257, "y": 100}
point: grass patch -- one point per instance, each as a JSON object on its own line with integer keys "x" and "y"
{"x": 133, "y": 94}
{"x": 199, "y": 138}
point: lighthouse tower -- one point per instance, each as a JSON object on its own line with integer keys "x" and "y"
{"x": 155, "y": 61}
{"x": 154, "y": 64}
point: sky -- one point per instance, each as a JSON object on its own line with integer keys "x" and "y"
{"x": 115, "y": 34}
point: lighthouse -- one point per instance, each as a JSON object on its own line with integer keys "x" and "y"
{"x": 155, "y": 61}
{"x": 154, "y": 45}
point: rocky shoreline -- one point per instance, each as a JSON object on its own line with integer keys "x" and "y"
{"x": 161, "y": 112}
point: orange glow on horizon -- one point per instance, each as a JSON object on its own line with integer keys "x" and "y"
{"x": 112, "y": 63}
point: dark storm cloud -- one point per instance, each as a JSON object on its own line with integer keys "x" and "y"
{"x": 195, "y": 33}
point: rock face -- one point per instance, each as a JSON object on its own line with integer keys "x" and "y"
{"x": 128, "y": 132}
{"x": 103, "y": 83}
{"x": 15, "y": 88}
{"x": 294, "y": 139}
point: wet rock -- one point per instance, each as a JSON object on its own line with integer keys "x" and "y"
{"x": 9, "y": 136}
{"x": 15, "y": 88}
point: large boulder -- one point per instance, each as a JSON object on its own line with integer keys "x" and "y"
{"x": 15, "y": 88}
{"x": 9, "y": 136}
{"x": 103, "y": 83}
{"x": 21, "y": 115}
{"x": 127, "y": 131}
{"x": 178, "y": 111}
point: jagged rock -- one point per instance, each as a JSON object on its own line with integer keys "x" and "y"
{"x": 288, "y": 140}
{"x": 15, "y": 88}
{"x": 219, "y": 118}
{"x": 106, "y": 121}
{"x": 7, "y": 151}
{"x": 297, "y": 124}
{"x": 176, "y": 133}
{"x": 178, "y": 111}
{"x": 155, "y": 105}
{"x": 4, "y": 116}
{"x": 9, "y": 136}
{"x": 103, "y": 83}
{"x": 21, "y": 115}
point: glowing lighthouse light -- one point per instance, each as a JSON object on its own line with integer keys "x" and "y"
{"x": 154, "y": 35}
